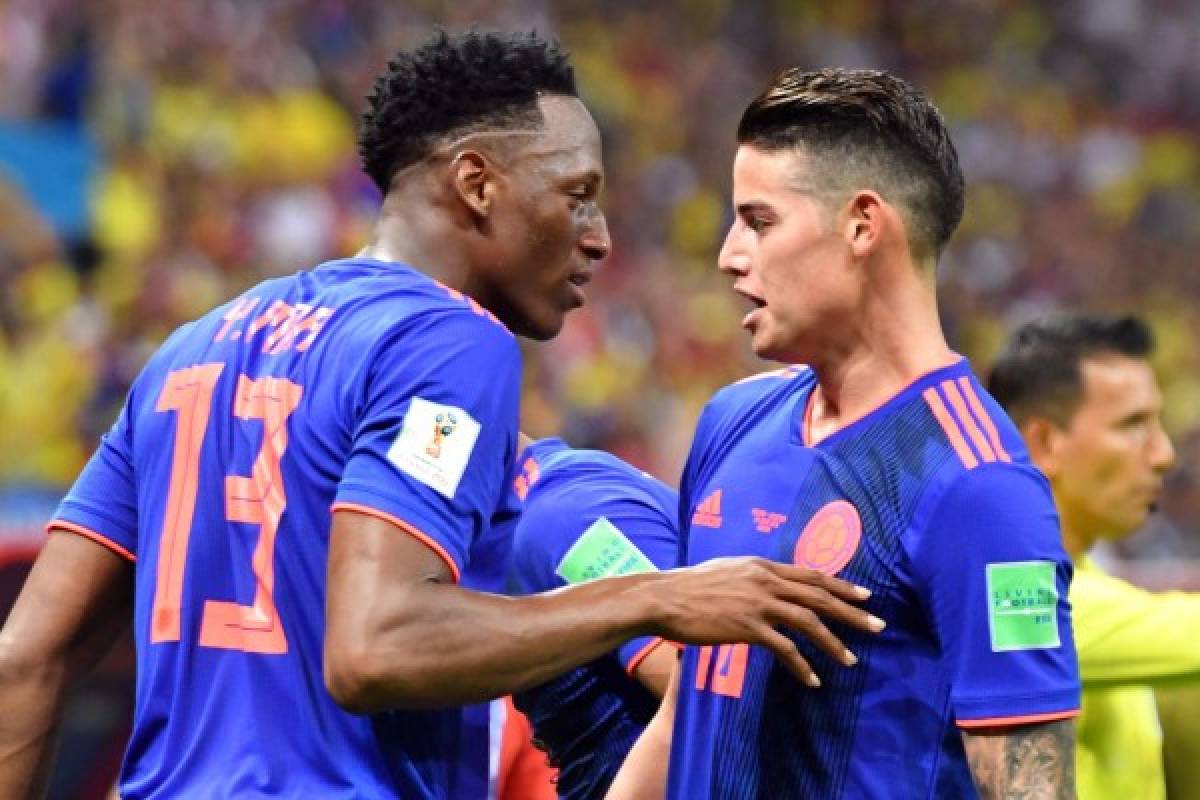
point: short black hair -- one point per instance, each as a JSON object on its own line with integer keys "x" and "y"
{"x": 457, "y": 84}
{"x": 866, "y": 129}
{"x": 1038, "y": 372}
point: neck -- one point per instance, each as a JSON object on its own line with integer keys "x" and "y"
{"x": 891, "y": 340}
{"x": 1078, "y": 535}
{"x": 413, "y": 230}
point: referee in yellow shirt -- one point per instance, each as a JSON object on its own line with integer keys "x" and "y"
{"x": 1083, "y": 394}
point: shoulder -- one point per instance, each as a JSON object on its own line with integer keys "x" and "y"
{"x": 749, "y": 398}
{"x": 969, "y": 422}
{"x": 593, "y": 482}
{"x": 977, "y": 470}
{"x": 377, "y": 300}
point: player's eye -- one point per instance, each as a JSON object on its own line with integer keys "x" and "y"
{"x": 757, "y": 223}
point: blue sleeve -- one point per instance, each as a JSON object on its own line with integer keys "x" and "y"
{"x": 102, "y": 505}
{"x": 435, "y": 430}
{"x": 692, "y": 469}
{"x": 558, "y": 514}
{"x": 988, "y": 563}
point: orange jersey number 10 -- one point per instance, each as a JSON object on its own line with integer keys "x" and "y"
{"x": 258, "y": 500}
{"x": 727, "y": 671}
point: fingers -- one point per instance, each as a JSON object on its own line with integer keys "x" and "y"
{"x": 810, "y": 626}
{"x": 828, "y": 607}
{"x": 786, "y": 651}
{"x": 837, "y": 587}
{"x": 827, "y": 596}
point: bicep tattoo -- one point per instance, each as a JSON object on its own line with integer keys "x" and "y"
{"x": 1032, "y": 761}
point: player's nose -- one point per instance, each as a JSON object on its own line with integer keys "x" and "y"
{"x": 1162, "y": 452}
{"x": 594, "y": 240}
{"x": 733, "y": 258}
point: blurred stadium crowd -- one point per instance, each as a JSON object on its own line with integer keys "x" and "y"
{"x": 157, "y": 157}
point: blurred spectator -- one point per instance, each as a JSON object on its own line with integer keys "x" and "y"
{"x": 226, "y": 133}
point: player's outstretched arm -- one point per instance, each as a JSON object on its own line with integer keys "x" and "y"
{"x": 400, "y": 634}
{"x": 1027, "y": 761}
{"x": 74, "y": 604}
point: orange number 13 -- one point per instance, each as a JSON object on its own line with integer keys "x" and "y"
{"x": 257, "y": 500}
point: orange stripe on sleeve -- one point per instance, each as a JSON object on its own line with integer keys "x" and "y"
{"x": 87, "y": 533}
{"x": 967, "y": 421}
{"x": 984, "y": 419}
{"x": 1028, "y": 719}
{"x": 950, "y": 427}
{"x": 408, "y": 528}
{"x": 640, "y": 656}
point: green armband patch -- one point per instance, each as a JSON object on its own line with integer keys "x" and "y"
{"x": 602, "y": 551}
{"x": 1022, "y": 605}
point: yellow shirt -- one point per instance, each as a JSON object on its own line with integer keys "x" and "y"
{"x": 1128, "y": 640}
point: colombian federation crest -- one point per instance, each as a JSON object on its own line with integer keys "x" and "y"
{"x": 830, "y": 539}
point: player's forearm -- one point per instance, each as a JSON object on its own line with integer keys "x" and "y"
{"x": 443, "y": 645}
{"x": 73, "y": 606}
{"x": 1029, "y": 761}
{"x": 644, "y": 773}
{"x": 30, "y": 697}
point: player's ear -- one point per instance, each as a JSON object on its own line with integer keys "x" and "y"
{"x": 863, "y": 222}
{"x": 475, "y": 181}
{"x": 1044, "y": 440}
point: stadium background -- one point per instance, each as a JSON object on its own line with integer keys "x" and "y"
{"x": 158, "y": 156}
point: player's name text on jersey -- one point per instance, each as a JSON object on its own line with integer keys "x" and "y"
{"x": 292, "y": 327}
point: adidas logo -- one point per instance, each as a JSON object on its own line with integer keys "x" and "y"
{"x": 767, "y": 521}
{"x": 708, "y": 513}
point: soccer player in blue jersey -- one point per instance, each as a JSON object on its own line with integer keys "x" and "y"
{"x": 584, "y": 515}
{"x": 288, "y": 496}
{"x": 883, "y": 461}
{"x": 571, "y": 516}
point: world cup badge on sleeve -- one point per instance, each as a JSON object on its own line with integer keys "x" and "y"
{"x": 443, "y": 426}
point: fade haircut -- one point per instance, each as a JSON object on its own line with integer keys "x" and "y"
{"x": 1039, "y": 374}
{"x": 865, "y": 129}
{"x": 454, "y": 85}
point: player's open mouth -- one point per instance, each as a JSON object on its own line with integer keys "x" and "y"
{"x": 577, "y": 280}
{"x": 750, "y": 321}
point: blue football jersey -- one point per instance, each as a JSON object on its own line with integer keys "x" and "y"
{"x": 929, "y": 501}
{"x": 361, "y": 385}
{"x": 585, "y": 514}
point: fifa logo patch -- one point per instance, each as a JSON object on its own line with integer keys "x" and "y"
{"x": 830, "y": 539}
{"x": 443, "y": 426}
{"x": 435, "y": 444}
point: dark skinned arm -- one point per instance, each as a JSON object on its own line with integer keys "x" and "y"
{"x": 399, "y": 634}
{"x": 75, "y": 603}
{"x": 1027, "y": 761}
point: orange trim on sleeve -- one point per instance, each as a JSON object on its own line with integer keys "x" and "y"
{"x": 407, "y": 527}
{"x": 950, "y": 427}
{"x": 640, "y": 655}
{"x": 59, "y": 525}
{"x": 984, "y": 419}
{"x": 1028, "y": 719}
